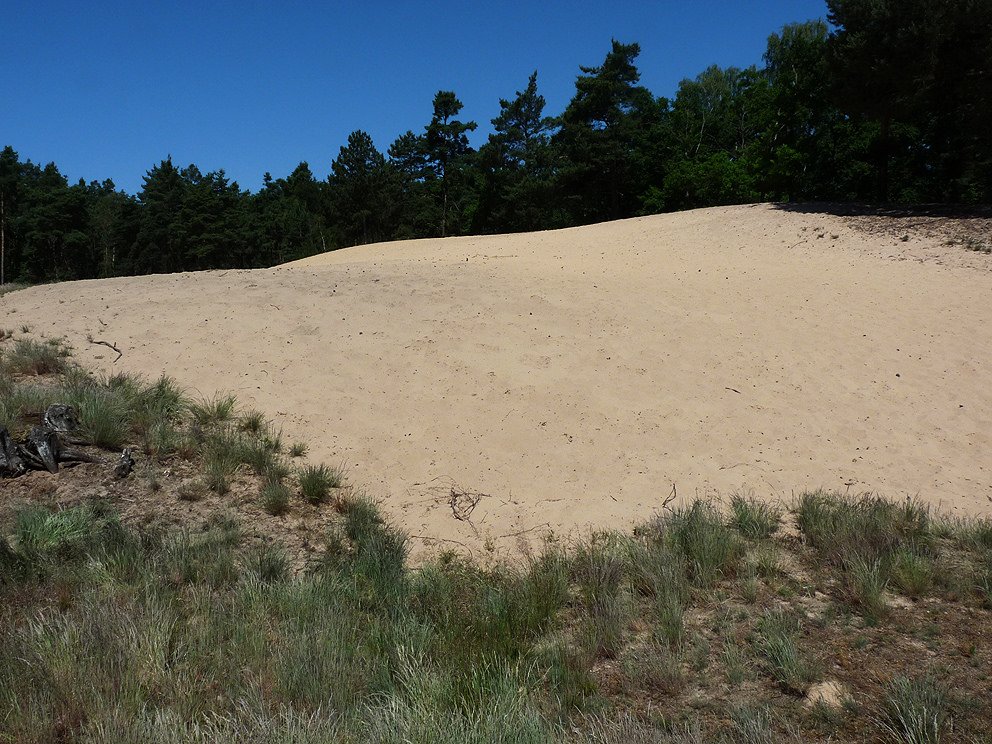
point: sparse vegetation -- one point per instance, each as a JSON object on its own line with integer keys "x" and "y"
{"x": 166, "y": 635}
{"x": 31, "y": 357}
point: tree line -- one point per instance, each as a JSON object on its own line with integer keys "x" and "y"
{"x": 890, "y": 102}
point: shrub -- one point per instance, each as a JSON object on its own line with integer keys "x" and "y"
{"x": 298, "y": 449}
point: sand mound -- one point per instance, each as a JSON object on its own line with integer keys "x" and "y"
{"x": 573, "y": 378}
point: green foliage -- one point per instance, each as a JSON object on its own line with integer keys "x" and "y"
{"x": 888, "y": 101}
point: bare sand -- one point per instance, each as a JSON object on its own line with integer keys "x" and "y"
{"x": 576, "y": 377}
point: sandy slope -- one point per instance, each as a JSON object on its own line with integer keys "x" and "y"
{"x": 575, "y": 376}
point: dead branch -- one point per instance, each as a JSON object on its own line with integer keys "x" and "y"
{"x": 463, "y": 503}
{"x": 670, "y": 497}
{"x": 524, "y": 532}
{"x": 107, "y": 344}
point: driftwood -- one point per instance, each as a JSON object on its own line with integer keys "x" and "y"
{"x": 44, "y": 448}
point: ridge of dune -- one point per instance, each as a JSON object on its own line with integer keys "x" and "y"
{"x": 575, "y": 377}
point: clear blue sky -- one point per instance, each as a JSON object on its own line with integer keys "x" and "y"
{"x": 107, "y": 89}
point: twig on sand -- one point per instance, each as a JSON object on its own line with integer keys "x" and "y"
{"x": 107, "y": 344}
{"x": 463, "y": 503}
{"x": 524, "y": 532}
{"x": 428, "y": 538}
{"x": 670, "y": 497}
{"x": 733, "y": 390}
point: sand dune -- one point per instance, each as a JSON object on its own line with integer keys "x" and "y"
{"x": 575, "y": 377}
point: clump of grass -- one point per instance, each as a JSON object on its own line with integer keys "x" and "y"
{"x": 104, "y": 414}
{"x": 256, "y": 455}
{"x": 867, "y": 584}
{"x": 912, "y": 572}
{"x": 30, "y": 357}
{"x": 275, "y": 497}
{"x": 735, "y": 661}
{"x": 711, "y": 549}
{"x": 915, "y": 710}
{"x": 216, "y": 476}
{"x": 316, "y": 482}
{"x": 778, "y": 634}
{"x": 844, "y": 529}
{"x": 213, "y": 411}
{"x": 753, "y": 518}
{"x": 271, "y": 564}
{"x": 252, "y": 422}
{"x": 298, "y": 449}
{"x": 6, "y": 333}
{"x": 654, "y": 667}
{"x": 752, "y": 725}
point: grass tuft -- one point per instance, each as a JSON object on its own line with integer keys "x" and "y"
{"x": 753, "y": 518}
{"x": 316, "y": 482}
{"x": 213, "y": 411}
{"x": 915, "y": 710}
{"x": 778, "y": 634}
{"x": 275, "y": 497}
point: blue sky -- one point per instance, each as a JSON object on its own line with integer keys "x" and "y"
{"x": 107, "y": 89}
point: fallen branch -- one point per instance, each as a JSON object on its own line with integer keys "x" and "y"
{"x": 463, "y": 503}
{"x": 524, "y": 532}
{"x": 107, "y": 344}
{"x": 670, "y": 497}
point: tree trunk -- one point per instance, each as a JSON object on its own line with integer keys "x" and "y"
{"x": 3, "y": 241}
{"x": 883, "y": 164}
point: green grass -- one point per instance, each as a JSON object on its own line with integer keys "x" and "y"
{"x": 213, "y": 411}
{"x": 753, "y": 518}
{"x": 778, "y": 643}
{"x": 298, "y": 449}
{"x": 31, "y": 357}
{"x": 275, "y": 497}
{"x": 252, "y": 422}
{"x": 711, "y": 549}
{"x": 316, "y": 482}
{"x": 867, "y": 584}
{"x": 915, "y": 710}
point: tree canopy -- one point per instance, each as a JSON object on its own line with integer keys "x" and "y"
{"x": 885, "y": 100}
